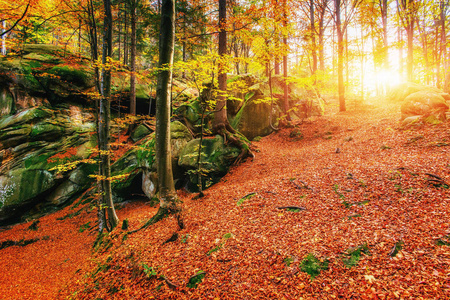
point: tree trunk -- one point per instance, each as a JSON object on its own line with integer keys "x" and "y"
{"x": 4, "y": 38}
{"x": 313, "y": 37}
{"x": 410, "y": 58}
{"x": 104, "y": 120}
{"x": 340, "y": 45}
{"x": 384, "y": 14}
{"x": 220, "y": 115}
{"x": 441, "y": 49}
{"x": 285, "y": 65}
{"x": 133, "y": 58}
{"x": 167, "y": 194}
{"x": 125, "y": 35}
{"x": 446, "y": 87}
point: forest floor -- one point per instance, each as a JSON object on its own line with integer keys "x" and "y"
{"x": 368, "y": 208}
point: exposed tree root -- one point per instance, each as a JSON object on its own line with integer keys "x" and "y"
{"x": 235, "y": 138}
{"x": 161, "y": 214}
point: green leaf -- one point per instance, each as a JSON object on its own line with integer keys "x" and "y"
{"x": 195, "y": 280}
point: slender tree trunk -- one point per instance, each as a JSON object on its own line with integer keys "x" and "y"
{"x": 445, "y": 63}
{"x": 441, "y": 45}
{"x": 400, "y": 52}
{"x": 104, "y": 120}
{"x": 285, "y": 65}
{"x": 133, "y": 58}
{"x": 313, "y": 37}
{"x": 220, "y": 115}
{"x": 167, "y": 194}
{"x": 321, "y": 44}
{"x": 384, "y": 15}
{"x": 424, "y": 39}
{"x": 119, "y": 34}
{"x": 362, "y": 65}
{"x": 340, "y": 45}
{"x": 410, "y": 55}
{"x": 4, "y": 38}
{"x": 125, "y": 35}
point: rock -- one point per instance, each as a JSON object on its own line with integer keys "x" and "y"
{"x": 251, "y": 114}
{"x": 411, "y": 121}
{"x": 149, "y": 183}
{"x": 399, "y": 93}
{"x": 253, "y": 119}
{"x": 46, "y": 70}
{"x": 19, "y": 188}
{"x": 32, "y": 140}
{"x": 140, "y": 132}
{"x": 142, "y": 158}
{"x": 424, "y": 103}
{"x": 77, "y": 182}
{"x": 216, "y": 162}
{"x": 26, "y": 116}
{"x": 7, "y": 106}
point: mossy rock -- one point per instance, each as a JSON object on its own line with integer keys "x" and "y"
{"x": 77, "y": 75}
{"x": 399, "y": 93}
{"x": 50, "y": 71}
{"x": 19, "y": 188}
{"x": 78, "y": 181}
{"x": 216, "y": 158}
{"x": 142, "y": 157}
{"x": 46, "y": 131}
{"x": 253, "y": 118}
{"x": 7, "y": 106}
{"x": 27, "y": 116}
{"x": 190, "y": 113}
{"x": 424, "y": 103}
{"x": 140, "y": 132}
{"x": 45, "y": 49}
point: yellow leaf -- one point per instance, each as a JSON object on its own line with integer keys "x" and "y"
{"x": 370, "y": 278}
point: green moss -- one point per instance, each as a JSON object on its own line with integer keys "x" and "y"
{"x": 352, "y": 256}
{"x": 312, "y": 265}
{"x": 70, "y": 74}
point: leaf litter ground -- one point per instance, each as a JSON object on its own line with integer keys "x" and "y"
{"x": 358, "y": 181}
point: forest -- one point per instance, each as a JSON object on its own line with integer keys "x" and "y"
{"x": 261, "y": 149}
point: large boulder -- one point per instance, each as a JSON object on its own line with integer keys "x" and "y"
{"x": 253, "y": 118}
{"x": 46, "y": 71}
{"x": 254, "y": 111}
{"x": 424, "y": 103}
{"x": 141, "y": 160}
{"x": 399, "y": 93}
{"x": 7, "y": 106}
{"x": 34, "y": 144}
{"x": 216, "y": 158}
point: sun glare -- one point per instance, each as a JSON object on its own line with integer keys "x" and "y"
{"x": 384, "y": 80}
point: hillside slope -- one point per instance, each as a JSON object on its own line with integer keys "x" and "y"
{"x": 370, "y": 199}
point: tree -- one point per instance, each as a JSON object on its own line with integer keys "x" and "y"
{"x": 285, "y": 63}
{"x": 133, "y": 17}
{"x": 104, "y": 121}
{"x": 341, "y": 27}
{"x": 407, "y": 11}
{"x": 220, "y": 117}
{"x": 169, "y": 202}
{"x": 221, "y": 125}
{"x": 5, "y": 30}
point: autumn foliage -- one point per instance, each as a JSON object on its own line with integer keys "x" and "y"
{"x": 349, "y": 195}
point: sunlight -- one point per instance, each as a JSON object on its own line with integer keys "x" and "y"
{"x": 388, "y": 78}
{"x": 383, "y": 79}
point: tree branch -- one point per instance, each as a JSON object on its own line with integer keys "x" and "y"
{"x": 17, "y": 21}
